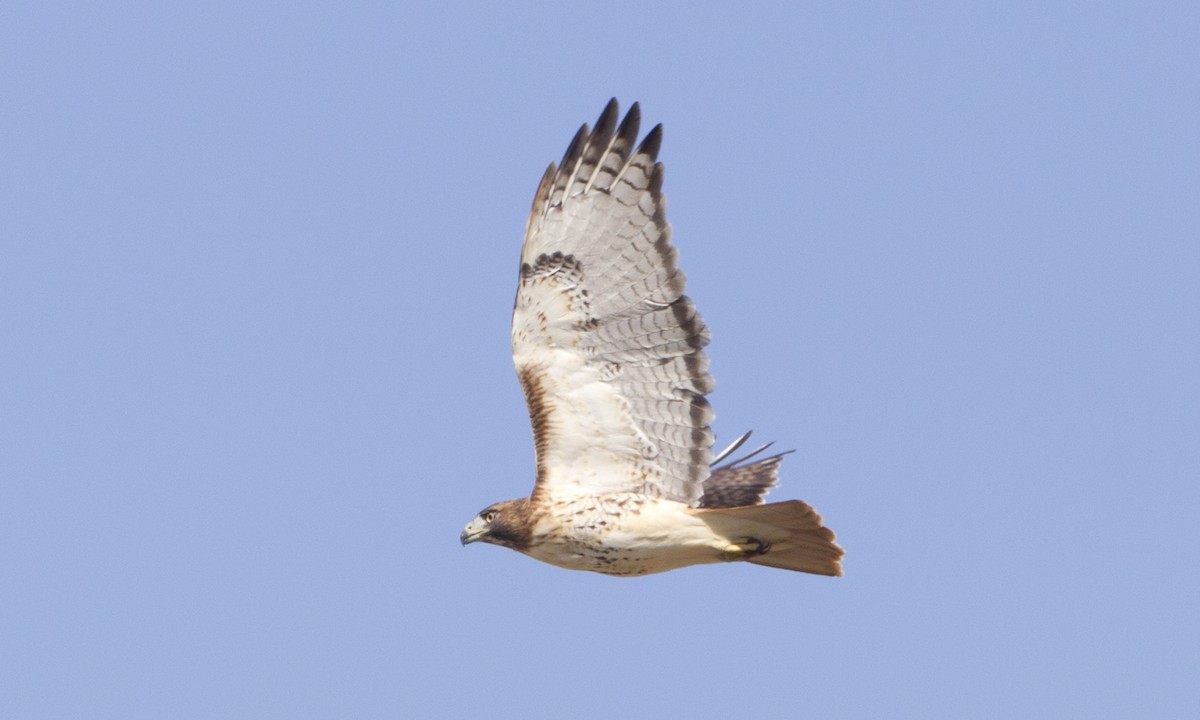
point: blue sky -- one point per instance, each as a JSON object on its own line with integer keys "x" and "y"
{"x": 257, "y": 269}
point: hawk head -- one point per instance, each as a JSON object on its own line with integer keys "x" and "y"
{"x": 505, "y": 523}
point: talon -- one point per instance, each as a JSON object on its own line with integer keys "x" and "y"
{"x": 748, "y": 547}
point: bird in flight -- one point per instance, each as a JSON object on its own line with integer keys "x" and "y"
{"x": 610, "y": 355}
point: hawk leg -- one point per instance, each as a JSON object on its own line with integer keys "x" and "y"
{"x": 746, "y": 548}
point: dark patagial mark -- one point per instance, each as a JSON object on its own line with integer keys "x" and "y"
{"x": 539, "y": 417}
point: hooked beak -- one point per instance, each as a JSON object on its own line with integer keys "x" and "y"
{"x": 475, "y": 530}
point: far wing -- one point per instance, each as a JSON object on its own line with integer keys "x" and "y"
{"x": 744, "y": 481}
{"x": 608, "y": 349}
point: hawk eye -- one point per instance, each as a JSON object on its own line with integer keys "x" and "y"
{"x": 489, "y": 515}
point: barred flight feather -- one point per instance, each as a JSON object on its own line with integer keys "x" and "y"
{"x": 601, "y": 316}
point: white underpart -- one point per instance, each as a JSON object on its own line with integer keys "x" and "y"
{"x": 662, "y": 536}
{"x": 596, "y": 447}
{"x": 657, "y": 536}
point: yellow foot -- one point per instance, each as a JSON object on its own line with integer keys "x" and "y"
{"x": 745, "y": 548}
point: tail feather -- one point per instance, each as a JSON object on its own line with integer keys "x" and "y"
{"x": 792, "y": 529}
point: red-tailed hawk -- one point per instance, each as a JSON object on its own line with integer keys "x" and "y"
{"x": 610, "y": 354}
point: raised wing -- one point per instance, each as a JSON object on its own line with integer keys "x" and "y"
{"x": 608, "y": 349}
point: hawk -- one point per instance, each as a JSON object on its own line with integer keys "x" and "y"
{"x": 610, "y": 355}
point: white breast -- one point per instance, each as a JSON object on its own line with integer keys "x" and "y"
{"x": 624, "y": 534}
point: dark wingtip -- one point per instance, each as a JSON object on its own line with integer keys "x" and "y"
{"x": 652, "y": 143}
{"x": 609, "y": 114}
{"x": 602, "y": 132}
{"x": 575, "y": 147}
{"x": 629, "y": 130}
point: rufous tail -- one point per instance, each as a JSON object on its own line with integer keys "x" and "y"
{"x": 790, "y": 532}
